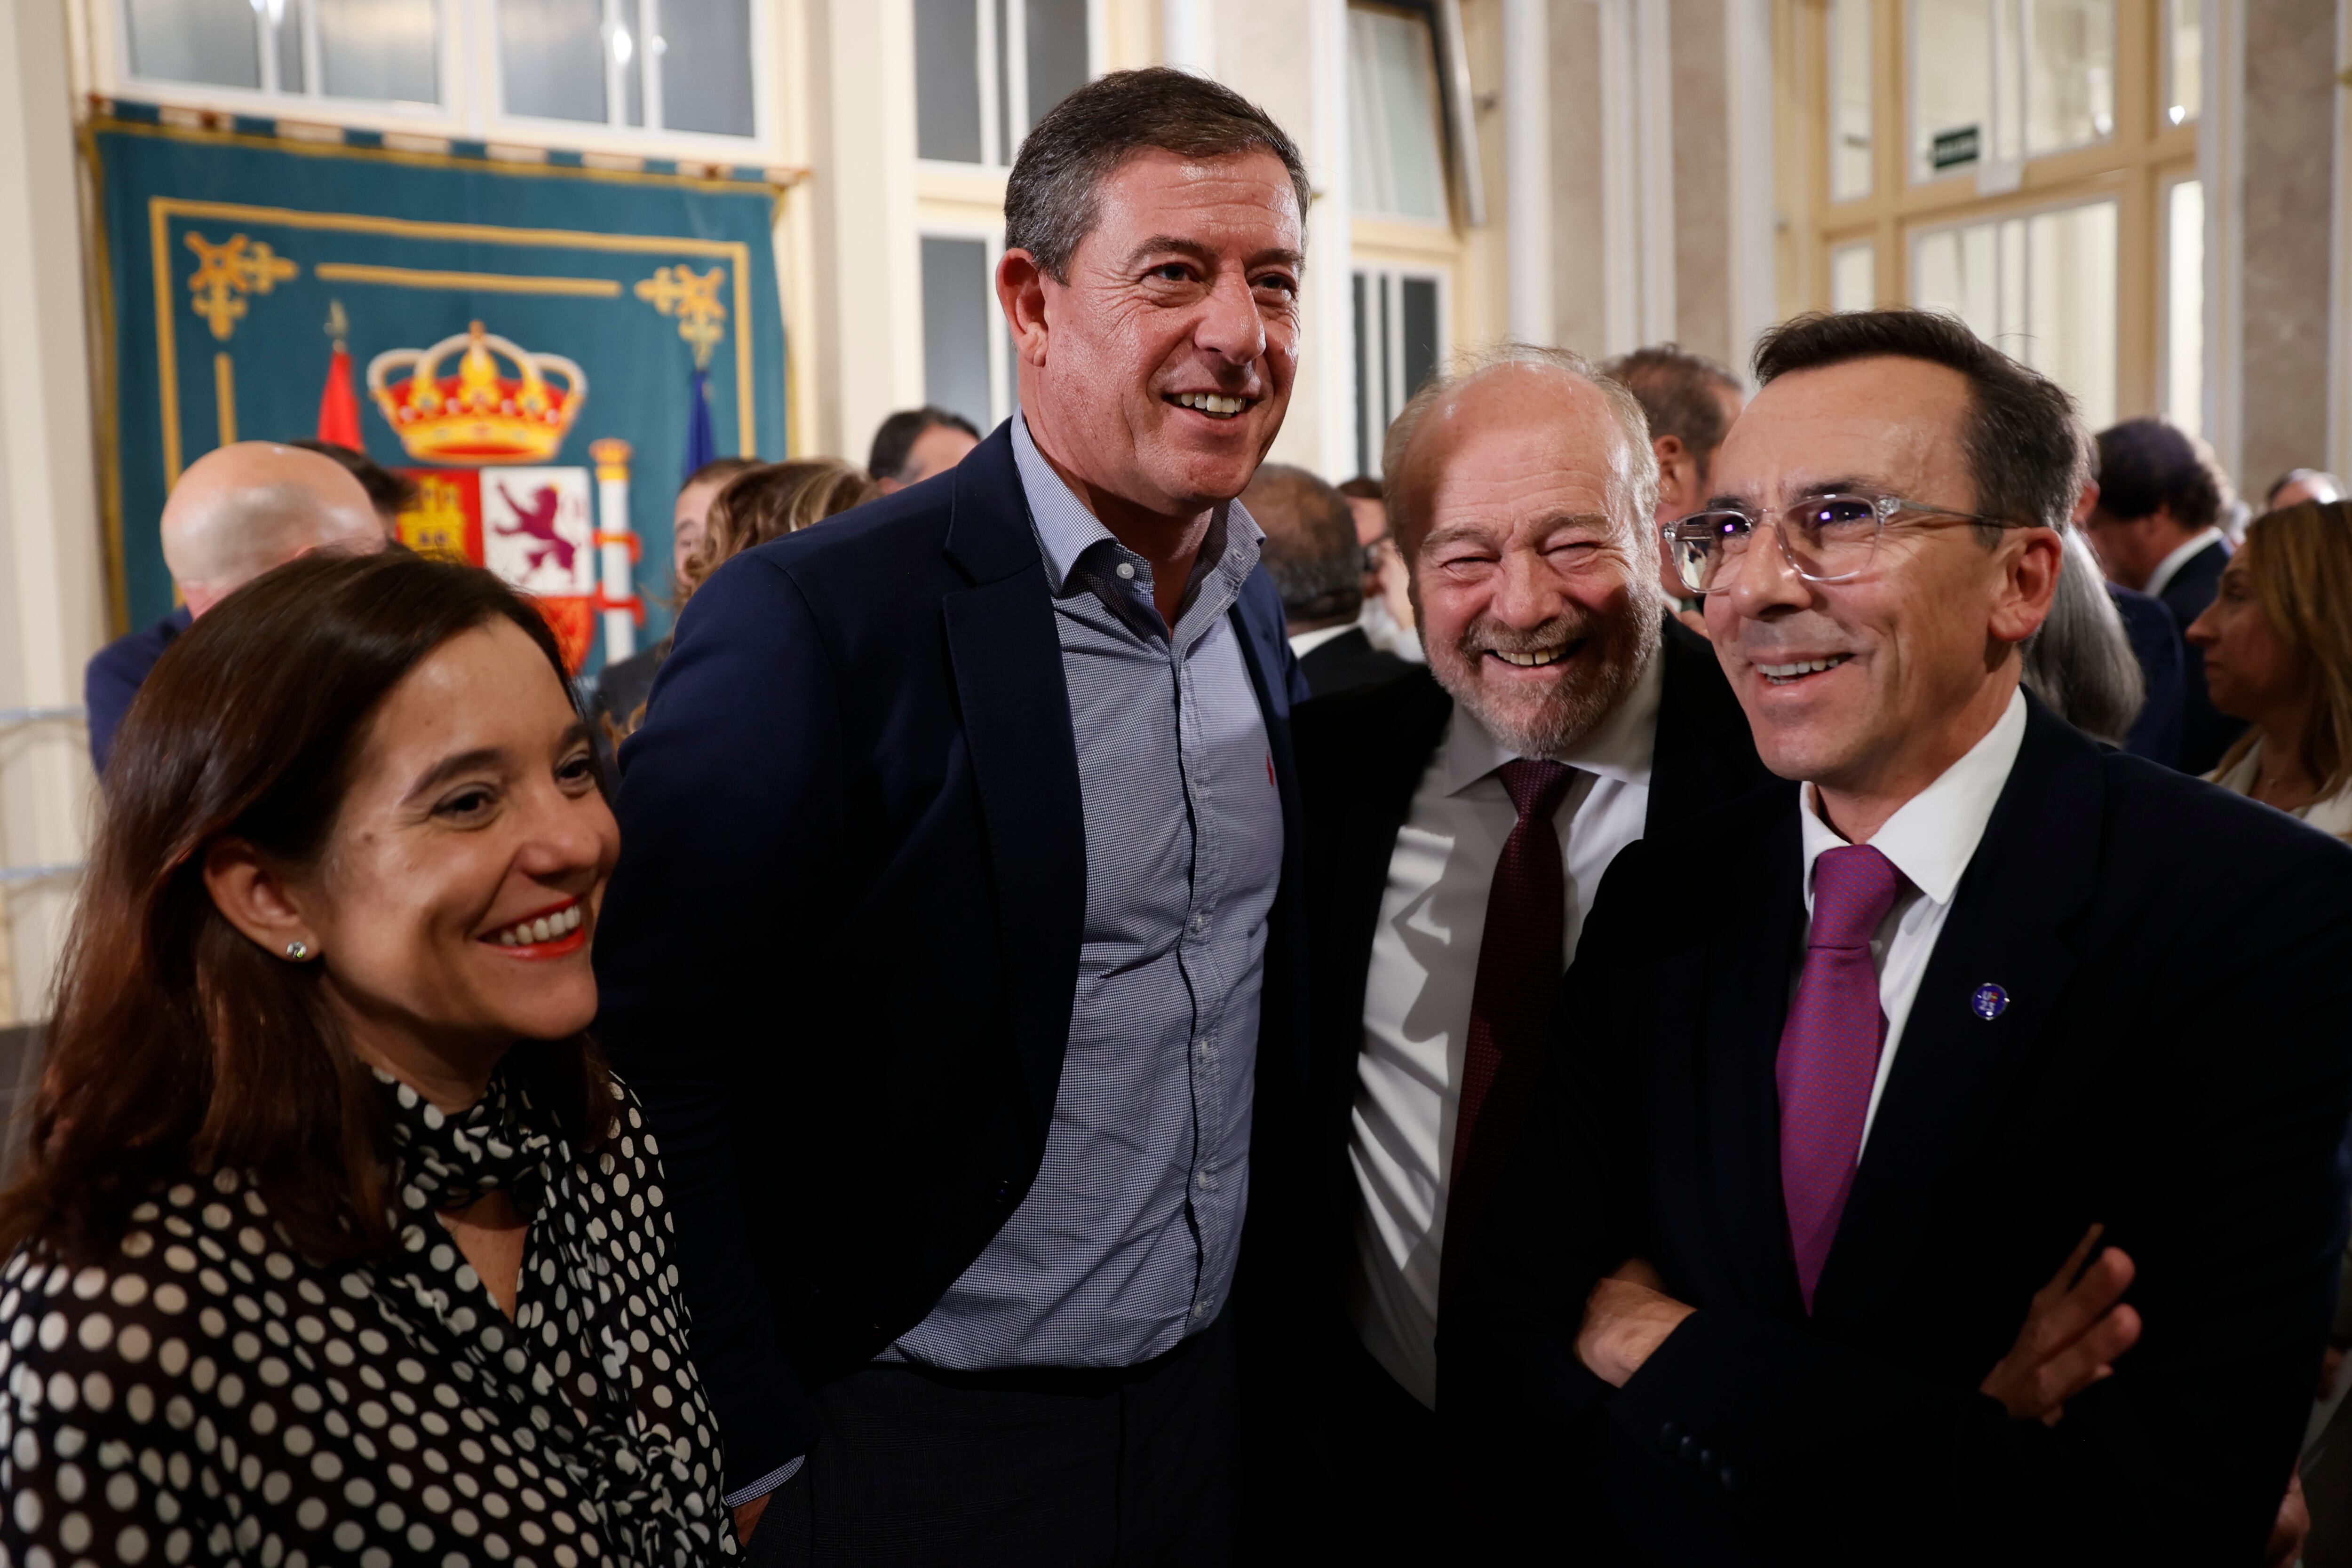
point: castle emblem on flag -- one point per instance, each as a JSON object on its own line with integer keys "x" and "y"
{"x": 478, "y": 415}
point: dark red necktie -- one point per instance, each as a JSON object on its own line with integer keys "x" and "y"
{"x": 1510, "y": 1006}
{"x": 1830, "y": 1049}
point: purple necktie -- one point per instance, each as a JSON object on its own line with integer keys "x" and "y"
{"x": 1829, "y": 1051}
{"x": 1511, "y": 1000}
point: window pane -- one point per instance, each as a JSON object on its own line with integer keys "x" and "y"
{"x": 706, "y": 66}
{"x": 195, "y": 40}
{"x": 1057, "y": 53}
{"x": 285, "y": 21}
{"x": 947, "y": 81}
{"x": 1371, "y": 428}
{"x": 380, "y": 49}
{"x": 1951, "y": 68}
{"x": 1853, "y": 277}
{"x": 1850, "y": 99}
{"x": 551, "y": 58}
{"x": 1002, "y": 69}
{"x": 2070, "y": 73}
{"x": 2040, "y": 287}
{"x": 2184, "y": 60}
{"x": 955, "y": 327}
{"x": 1392, "y": 110}
{"x": 1420, "y": 346}
{"x": 2184, "y": 306}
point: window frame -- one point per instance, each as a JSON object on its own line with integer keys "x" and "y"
{"x": 1016, "y": 71}
{"x": 2132, "y": 165}
{"x": 1391, "y": 274}
{"x": 473, "y": 91}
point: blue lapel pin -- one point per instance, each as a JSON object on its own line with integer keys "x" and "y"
{"x": 1988, "y": 1002}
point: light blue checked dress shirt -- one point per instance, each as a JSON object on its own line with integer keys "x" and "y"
{"x": 1126, "y": 1242}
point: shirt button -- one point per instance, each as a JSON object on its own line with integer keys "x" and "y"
{"x": 1126, "y": 570}
{"x": 1199, "y": 923}
{"x": 1203, "y": 1179}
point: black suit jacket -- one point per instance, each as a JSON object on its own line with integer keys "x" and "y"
{"x": 838, "y": 957}
{"x": 115, "y": 674}
{"x": 2206, "y": 731}
{"x": 1347, "y": 661}
{"x": 1360, "y": 757}
{"x": 2172, "y": 1061}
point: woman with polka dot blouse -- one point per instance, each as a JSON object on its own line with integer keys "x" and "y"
{"x": 338, "y": 1243}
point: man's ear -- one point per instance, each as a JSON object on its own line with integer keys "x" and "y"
{"x": 2030, "y": 582}
{"x": 1021, "y": 290}
{"x": 255, "y": 896}
{"x": 1678, "y": 477}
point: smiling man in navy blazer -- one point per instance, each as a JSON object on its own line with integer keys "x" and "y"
{"x": 1850, "y": 1070}
{"x": 953, "y": 946}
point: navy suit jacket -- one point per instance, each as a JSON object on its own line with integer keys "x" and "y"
{"x": 838, "y": 957}
{"x": 2156, "y": 644}
{"x": 2166, "y": 1057}
{"x": 114, "y": 676}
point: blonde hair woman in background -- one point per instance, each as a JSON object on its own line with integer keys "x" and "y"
{"x": 2278, "y": 652}
{"x": 761, "y": 503}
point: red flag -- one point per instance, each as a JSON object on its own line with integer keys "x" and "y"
{"x": 339, "y": 404}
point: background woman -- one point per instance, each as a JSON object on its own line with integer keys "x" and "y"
{"x": 339, "y": 1243}
{"x": 2278, "y": 652}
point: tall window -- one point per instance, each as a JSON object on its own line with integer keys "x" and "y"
{"x": 657, "y": 66}
{"x": 1398, "y": 159}
{"x": 384, "y": 51}
{"x": 987, "y": 70}
{"x": 662, "y": 65}
{"x": 2028, "y": 165}
{"x": 1400, "y": 342}
{"x": 967, "y": 362}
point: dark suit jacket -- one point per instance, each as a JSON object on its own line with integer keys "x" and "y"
{"x": 838, "y": 957}
{"x": 2157, "y": 644}
{"x": 1347, "y": 661}
{"x": 2206, "y": 731}
{"x": 1360, "y": 757}
{"x": 2172, "y": 1061}
{"x": 115, "y": 674}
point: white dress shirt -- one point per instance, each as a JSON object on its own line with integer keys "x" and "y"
{"x": 1930, "y": 839}
{"x": 2170, "y": 566}
{"x": 1424, "y": 965}
{"x": 1304, "y": 642}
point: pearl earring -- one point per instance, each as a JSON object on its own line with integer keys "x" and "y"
{"x": 297, "y": 951}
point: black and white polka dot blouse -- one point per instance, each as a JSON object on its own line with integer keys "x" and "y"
{"x": 207, "y": 1395}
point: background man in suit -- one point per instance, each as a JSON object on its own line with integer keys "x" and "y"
{"x": 2157, "y": 528}
{"x": 238, "y": 511}
{"x": 913, "y": 444}
{"x": 1458, "y": 824}
{"x": 951, "y": 945}
{"x": 2015, "y": 954}
{"x": 1316, "y": 565}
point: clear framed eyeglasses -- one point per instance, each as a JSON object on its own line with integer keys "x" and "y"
{"x": 1825, "y": 539}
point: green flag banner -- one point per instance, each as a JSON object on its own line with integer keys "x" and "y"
{"x": 501, "y": 318}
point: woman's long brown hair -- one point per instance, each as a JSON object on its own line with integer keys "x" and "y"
{"x": 179, "y": 1046}
{"x": 2300, "y": 559}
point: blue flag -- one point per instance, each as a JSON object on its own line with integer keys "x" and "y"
{"x": 701, "y": 445}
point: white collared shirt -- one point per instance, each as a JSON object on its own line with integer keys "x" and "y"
{"x": 1930, "y": 839}
{"x": 2170, "y": 566}
{"x": 1304, "y": 642}
{"x": 1424, "y": 965}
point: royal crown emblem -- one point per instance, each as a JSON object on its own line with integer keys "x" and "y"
{"x": 477, "y": 415}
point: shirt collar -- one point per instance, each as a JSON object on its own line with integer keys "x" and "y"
{"x": 1619, "y": 746}
{"x": 2170, "y": 566}
{"x": 1934, "y": 834}
{"x": 1066, "y": 530}
{"x": 1306, "y": 643}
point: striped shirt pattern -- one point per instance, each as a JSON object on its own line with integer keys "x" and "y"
{"x": 1127, "y": 1242}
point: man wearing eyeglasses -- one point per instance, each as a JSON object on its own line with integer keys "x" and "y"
{"x": 1843, "y": 1080}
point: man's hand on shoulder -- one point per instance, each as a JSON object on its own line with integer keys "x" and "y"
{"x": 1626, "y": 1319}
{"x": 2073, "y": 1331}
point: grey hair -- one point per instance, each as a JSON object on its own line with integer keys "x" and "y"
{"x": 1634, "y": 493}
{"x": 1050, "y": 197}
{"x": 2080, "y": 661}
